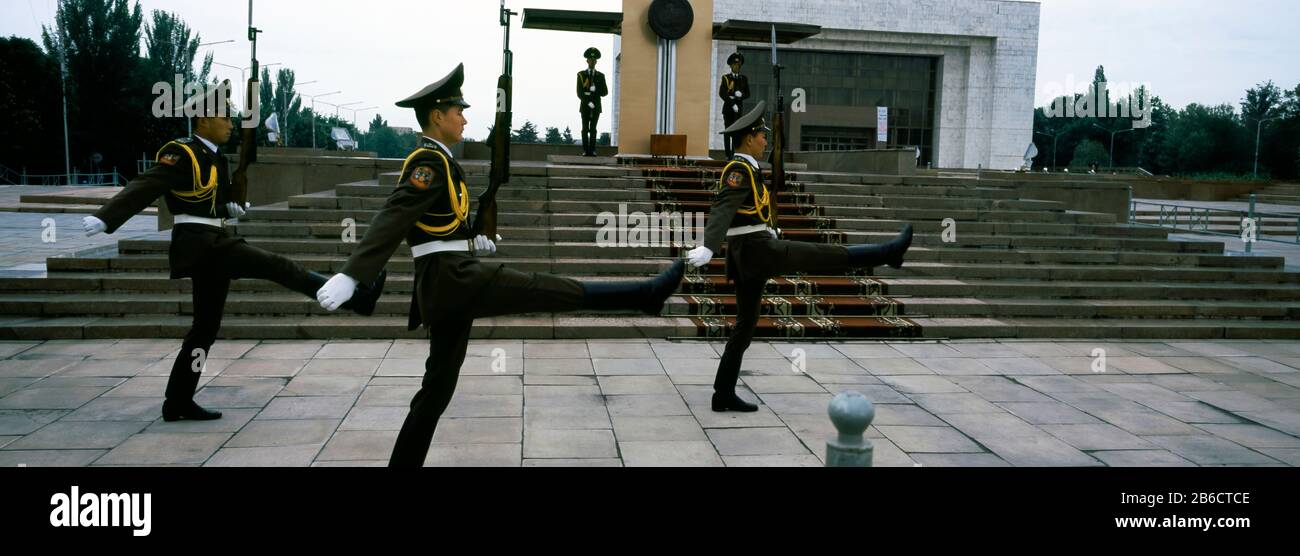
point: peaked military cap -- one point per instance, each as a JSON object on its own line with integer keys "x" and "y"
{"x": 215, "y": 103}
{"x": 736, "y": 58}
{"x": 443, "y": 91}
{"x": 592, "y": 52}
{"x": 750, "y": 122}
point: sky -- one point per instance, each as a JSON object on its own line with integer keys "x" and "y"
{"x": 379, "y": 51}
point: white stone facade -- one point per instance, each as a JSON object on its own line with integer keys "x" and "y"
{"x": 988, "y": 52}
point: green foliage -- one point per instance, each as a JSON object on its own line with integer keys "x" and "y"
{"x": 1087, "y": 153}
{"x": 1196, "y": 140}
{"x": 526, "y": 134}
{"x": 553, "y": 136}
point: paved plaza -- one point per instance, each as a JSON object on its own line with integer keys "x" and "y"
{"x": 646, "y": 403}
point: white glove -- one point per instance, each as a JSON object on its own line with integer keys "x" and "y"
{"x": 593, "y": 88}
{"x": 775, "y": 234}
{"x": 699, "y": 256}
{"x": 93, "y": 225}
{"x": 234, "y": 209}
{"x": 591, "y": 105}
{"x": 337, "y": 291}
{"x": 739, "y": 94}
{"x": 483, "y": 246}
{"x": 735, "y": 108}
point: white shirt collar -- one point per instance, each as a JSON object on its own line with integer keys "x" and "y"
{"x": 439, "y": 143}
{"x": 208, "y": 144}
{"x": 749, "y": 159}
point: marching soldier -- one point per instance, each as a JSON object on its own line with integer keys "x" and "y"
{"x": 741, "y": 212}
{"x": 193, "y": 177}
{"x": 430, "y": 208}
{"x": 733, "y": 90}
{"x": 591, "y": 89}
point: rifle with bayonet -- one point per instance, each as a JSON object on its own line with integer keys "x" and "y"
{"x": 249, "y": 123}
{"x": 778, "y": 139}
{"x": 485, "y": 222}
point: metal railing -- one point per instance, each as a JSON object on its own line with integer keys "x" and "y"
{"x": 1202, "y": 220}
{"x": 13, "y": 177}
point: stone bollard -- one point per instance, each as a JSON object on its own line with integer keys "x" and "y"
{"x": 851, "y": 413}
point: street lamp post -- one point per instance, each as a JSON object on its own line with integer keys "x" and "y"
{"x": 355, "y": 110}
{"x": 354, "y": 121}
{"x": 1054, "y": 138}
{"x": 338, "y": 106}
{"x": 313, "y": 115}
{"x": 1259, "y": 128}
{"x": 1112, "y": 141}
{"x": 285, "y": 109}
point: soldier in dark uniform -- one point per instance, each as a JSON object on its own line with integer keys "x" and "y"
{"x": 741, "y": 213}
{"x": 591, "y": 88}
{"x": 430, "y": 207}
{"x": 733, "y": 90}
{"x": 193, "y": 177}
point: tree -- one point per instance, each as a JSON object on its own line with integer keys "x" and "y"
{"x": 170, "y": 49}
{"x": 553, "y": 136}
{"x": 526, "y": 134}
{"x": 32, "y": 106}
{"x": 568, "y": 136}
{"x": 1261, "y": 102}
{"x": 1279, "y": 138}
{"x": 286, "y": 102}
{"x": 1088, "y": 152}
{"x": 100, "y": 41}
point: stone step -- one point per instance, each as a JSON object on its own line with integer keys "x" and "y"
{"x": 1051, "y": 272}
{"x": 1275, "y": 199}
{"x": 614, "y": 201}
{"x": 1128, "y": 329}
{"x": 695, "y": 284}
{"x": 558, "y": 263}
{"x": 154, "y": 279}
{"x": 532, "y": 216}
{"x": 838, "y": 305}
{"x": 339, "y": 327}
{"x": 333, "y": 230}
{"x": 278, "y": 303}
{"x": 533, "y": 252}
{"x": 152, "y": 282}
{"x": 63, "y": 208}
{"x": 570, "y": 242}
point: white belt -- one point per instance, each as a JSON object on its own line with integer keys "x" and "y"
{"x": 458, "y": 245}
{"x": 747, "y": 230}
{"x": 187, "y": 219}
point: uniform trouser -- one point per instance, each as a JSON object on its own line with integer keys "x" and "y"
{"x": 590, "y": 118}
{"x": 729, "y": 117}
{"x": 509, "y": 292}
{"x": 751, "y": 260}
{"x": 211, "y": 281}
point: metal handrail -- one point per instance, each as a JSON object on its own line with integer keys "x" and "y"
{"x": 1198, "y": 219}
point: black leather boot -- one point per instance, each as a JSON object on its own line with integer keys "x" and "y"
{"x": 876, "y": 254}
{"x": 187, "y": 411}
{"x": 647, "y": 296}
{"x": 732, "y": 402}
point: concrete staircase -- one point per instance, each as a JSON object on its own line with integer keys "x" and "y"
{"x": 70, "y": 199}
{"x": 1279, "y": 194}
{"x": 1015, "y": 268}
